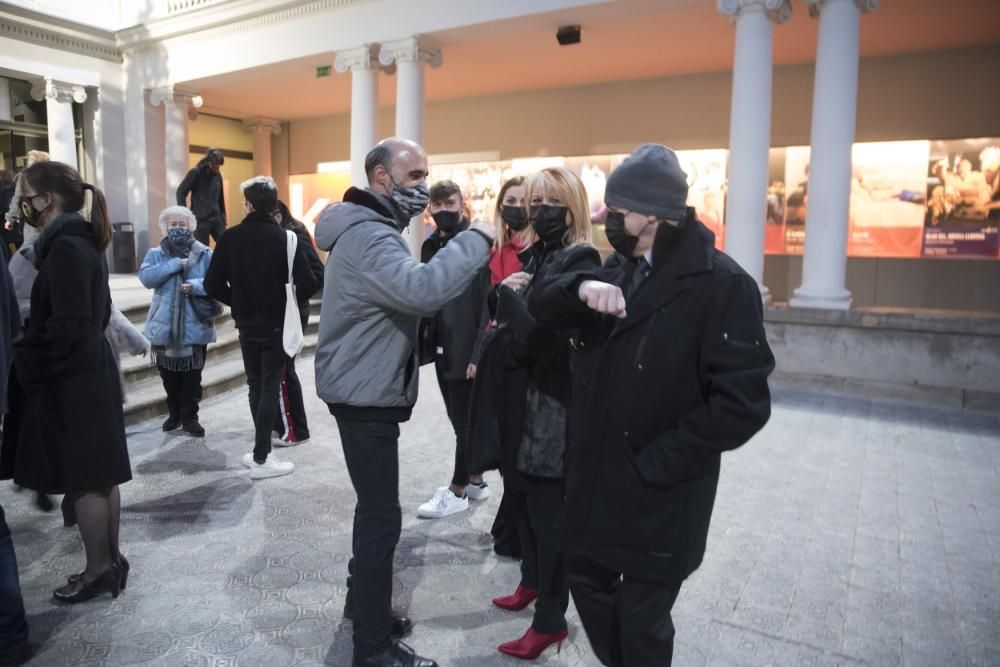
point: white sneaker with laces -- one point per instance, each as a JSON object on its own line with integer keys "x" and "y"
{"x": 443, "y": 503}
{"x": 272, "y": 467}
{"x": 284, "y": 441}
{"x": 248, "y": 460}
{"x": 479, "y": 491}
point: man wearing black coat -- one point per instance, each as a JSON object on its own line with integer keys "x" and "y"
{"x": 670, "y": 370}
{"x": 208, "y": 202}
{"x": 449, "y": 339}
{"x": 248, "y": 272}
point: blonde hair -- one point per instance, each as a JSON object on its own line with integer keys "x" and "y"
{"x": 503, "y": 233}
{"x": 568, "y": 187}
{"x": 34, "y": 156}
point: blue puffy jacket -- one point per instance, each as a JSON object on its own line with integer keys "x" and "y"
{"x": 160, "y": 273}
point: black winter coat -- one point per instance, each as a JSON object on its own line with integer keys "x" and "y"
{"x": 72, "y": 432}
{"x": 455, "y": 328}
{"x": 522, "y": 351}
{"x": 205, "y": 188}
{"x": 657, "y": 397}
{"x": 249, "y": 270}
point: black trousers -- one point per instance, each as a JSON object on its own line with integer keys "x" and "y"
{"x": 183, "y": 392}
{"x": 209, "y": 227}
{"x": 291, "y": 413}
{"x": 263, "y": 359}
{"x": 371, "y": 450}
{"x": 539, "y": 525}
{"x": 627, "y": 618}
{"x": 457, "y": 396}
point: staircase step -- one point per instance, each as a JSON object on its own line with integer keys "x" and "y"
{"x": 146, "y": 398}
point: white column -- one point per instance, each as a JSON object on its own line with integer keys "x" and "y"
{"x": 92, "y": 168}
{"x": 262, "y": 129}
{"x": 750, "y": 130}
{"x": 179, "y": 106}
{"x": 364, "y": 68}
{"x": 59, "y": 97}
{"x": 409, "y": 56}
{"x": 5, "y": 111}
{"x": 835, "y": 102}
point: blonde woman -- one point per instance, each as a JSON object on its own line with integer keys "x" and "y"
{"x": 534, "y": 441}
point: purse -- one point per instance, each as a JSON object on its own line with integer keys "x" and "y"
{"x": 205, "y": 308}
{"x": 292, "y": 338}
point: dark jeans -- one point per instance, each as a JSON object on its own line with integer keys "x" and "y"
{"x": 627, "y": 619}
{"x": 457, "y": 396}
{"x": 209, "y": 227}
{"x": 371, "y": 450}
{"x": 291, "y": 419}
{"x": 264, "y": 360}
{"x": 183, "y": 392}
{"x": 539, "y": 525}
{"x": 13, "y": 626}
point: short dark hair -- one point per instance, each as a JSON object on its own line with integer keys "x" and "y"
{"x": 444, "y": 189}
{"x": 380, "y": 155}
{"x": 262, "y": 194}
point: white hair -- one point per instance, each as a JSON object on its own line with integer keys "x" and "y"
{"x": 177, "y": 212}
{"x": 266, "y": 181}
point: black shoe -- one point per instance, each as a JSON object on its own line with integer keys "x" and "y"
{"x": 17, "y": 654}
{"x": 172, "y": 423}
{"x": 402, "y": 626}
{"x": 123, "y": 567}
{"x": 43, "y": 502}
{"x": 108, "y": 581}
{"x": 397, "y": 655}
{"x": 194, "y": 428}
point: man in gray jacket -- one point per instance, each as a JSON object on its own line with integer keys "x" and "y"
{"x": 366, "y": 364}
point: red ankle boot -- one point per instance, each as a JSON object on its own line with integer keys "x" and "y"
{"x": 521, "y": 598}
{"x": 531, "y": 645}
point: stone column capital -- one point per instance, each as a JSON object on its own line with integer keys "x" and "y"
{"x": 362, "y": 57}
{"x": 412, "y": 49}
{"x": 778, "y": 11}
{"x": 60, "y": 91}
{"x": 261, "y": 125}
{"x": 816, "y": 6}
{"x": 169, "y": 95}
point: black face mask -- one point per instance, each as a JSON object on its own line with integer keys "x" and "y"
{"x": 620, "y": 240}
{"x": 549, "y": 222}
{"x": 447, "y": 221}
{"x": 31, "y": 215}
{"x": 514, "y": 217}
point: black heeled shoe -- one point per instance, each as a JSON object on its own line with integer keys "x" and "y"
{"x": 121, "y": 563}
{"x": 78, "y": 591}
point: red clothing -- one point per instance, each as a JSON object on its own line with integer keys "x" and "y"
{"x": 504, "y": 262}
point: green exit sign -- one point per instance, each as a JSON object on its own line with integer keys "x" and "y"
{"x": 322, "y": 71}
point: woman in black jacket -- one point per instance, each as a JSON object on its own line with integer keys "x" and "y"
{"x": 72, "y": 414}
{"x": 535, "y": 445}
{"x": 291, "y": 425}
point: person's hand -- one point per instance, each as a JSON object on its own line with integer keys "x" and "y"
{"x": 145, "y": 350}
{"x": 184, "y": 264}
{"x": 517, "y": 281}
{"x": 186, "y": 288}
{"x": 8, "y": 225}
{"x": 603, "y": 298}
{"x": 485, "y": 228}
{"x": 470, "y": 372}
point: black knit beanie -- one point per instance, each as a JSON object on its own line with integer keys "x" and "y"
{"x": 650, "y": 181}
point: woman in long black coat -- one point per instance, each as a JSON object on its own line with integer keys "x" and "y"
{"x": 534, "y": 441}
{"x": 72, "y": 434}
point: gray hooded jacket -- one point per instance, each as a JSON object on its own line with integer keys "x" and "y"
{"x": 373, "y": 297}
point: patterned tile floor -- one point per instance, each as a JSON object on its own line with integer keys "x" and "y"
{"x": 846, "y": 533}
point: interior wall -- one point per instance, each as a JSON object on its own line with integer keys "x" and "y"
{"x": 914, "y": 96}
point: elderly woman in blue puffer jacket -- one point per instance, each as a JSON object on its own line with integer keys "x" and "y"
{"x": 180, "y": 321}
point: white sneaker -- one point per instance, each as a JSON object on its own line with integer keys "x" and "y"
{"x": 442, "y": 504}
{"x": 248, "y": 460}
{"x": 272, "y": 467}
{"x": 479, "y": 491}
{"x": 284, "y": 441}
